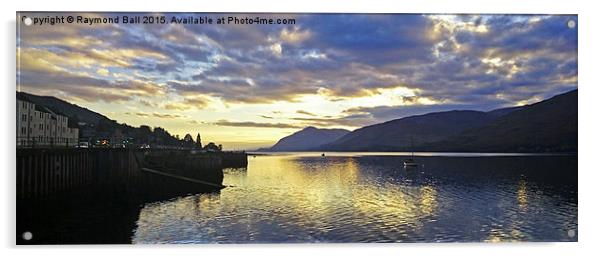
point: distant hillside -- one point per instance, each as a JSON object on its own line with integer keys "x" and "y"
{"x": 307, "y": 139}
{"x": 411, "y": 132}
{"x": 547, "y": 126}
{"x": 99, "y": 126}
{"x": 72, "y": 111}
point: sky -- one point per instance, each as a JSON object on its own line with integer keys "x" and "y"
{"x": 246, "y": 86}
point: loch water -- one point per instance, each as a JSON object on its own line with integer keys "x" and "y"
{"x": 371, "y": 197}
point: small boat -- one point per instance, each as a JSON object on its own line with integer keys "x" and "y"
{"x": 410, "y": 163}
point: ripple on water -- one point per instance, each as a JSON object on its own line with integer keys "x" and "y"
{"x": 371, "y": 199}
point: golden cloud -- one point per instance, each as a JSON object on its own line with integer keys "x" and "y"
{"x": 294, "y": 36}
{"x": 194, "y": 102}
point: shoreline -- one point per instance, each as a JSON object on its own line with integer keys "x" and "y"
{"x": 417, "y": 154}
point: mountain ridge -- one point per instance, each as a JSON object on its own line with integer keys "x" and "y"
{"x": 403, "y": 133}
{"x": 546, "y": 126}
{"x": 550, "y": 125}
{"x": 306, "y": 139}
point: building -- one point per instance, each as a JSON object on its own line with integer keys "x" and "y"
{"x": 39, "y": 126}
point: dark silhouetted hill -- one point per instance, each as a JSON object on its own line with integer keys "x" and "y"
{"x": 74, "y": 112}
{"x": 546, "y": 126}
{"x": 96, "y": 125}
{"x": 411, "y": 132}
{"x": 307, "y": 139}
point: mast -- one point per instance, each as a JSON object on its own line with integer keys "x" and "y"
{"x": 412, "y": 145}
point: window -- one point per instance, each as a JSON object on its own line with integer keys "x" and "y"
{"x": 24, "y": 117}
{"x": 23, "y": 130}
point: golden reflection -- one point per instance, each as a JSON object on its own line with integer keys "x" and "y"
{"x": 521, "y": 194}
{"x": 428, "y": 201}
{"x": 389, "y": 201}
{"x": 516, "y": 234}
{"x": 310, "y": 185}
{"x": 495, "y": 236}
{"x": 314, "y": 188}
{"x": 512, "y": 231}
{"x": 396, "y": 204}
{"x": 501, "y": 235}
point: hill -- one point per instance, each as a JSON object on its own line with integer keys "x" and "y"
{"x": 306, "y": 139}
{"x": 546, "y": 126}
{"x": 411, "y": 132}
{"x": 74, "y": 112}
{"x": 93, "y": 125}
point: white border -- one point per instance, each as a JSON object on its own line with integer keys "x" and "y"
{"x": 589, "y": 126}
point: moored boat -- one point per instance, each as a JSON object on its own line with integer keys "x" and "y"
{"x": 410, "y": 163}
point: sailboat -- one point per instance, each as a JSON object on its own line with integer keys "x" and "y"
{"x": 409, "y": 162}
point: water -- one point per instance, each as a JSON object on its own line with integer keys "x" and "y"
{"x": 355, "y": 197}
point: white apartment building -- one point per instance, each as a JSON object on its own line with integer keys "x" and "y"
{"x": 39, "y": 126}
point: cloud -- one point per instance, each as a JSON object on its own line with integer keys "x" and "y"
{"x": 305, "y": 113}
{"x": 147, "y": 103}
{"x": 473, "y": 61}
{"x": 227, "y": 123}
{"x": 103, "y": 72}
{"x": 156, "y": 115}
{"x": 294, "y": 35}
{"x": 347, "y": 121}
{"x": 79, "y": 76}
{"x": 189, "y": 102}
{"x": 195, "y": 122}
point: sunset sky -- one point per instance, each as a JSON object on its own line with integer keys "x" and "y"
{"x": 246, "y": 86}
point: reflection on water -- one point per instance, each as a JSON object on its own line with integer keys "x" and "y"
{"x": 368, "y": 198}
{"x": 521, "y": 194}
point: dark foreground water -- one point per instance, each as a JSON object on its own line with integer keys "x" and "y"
{"x": 352, "y": 197}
